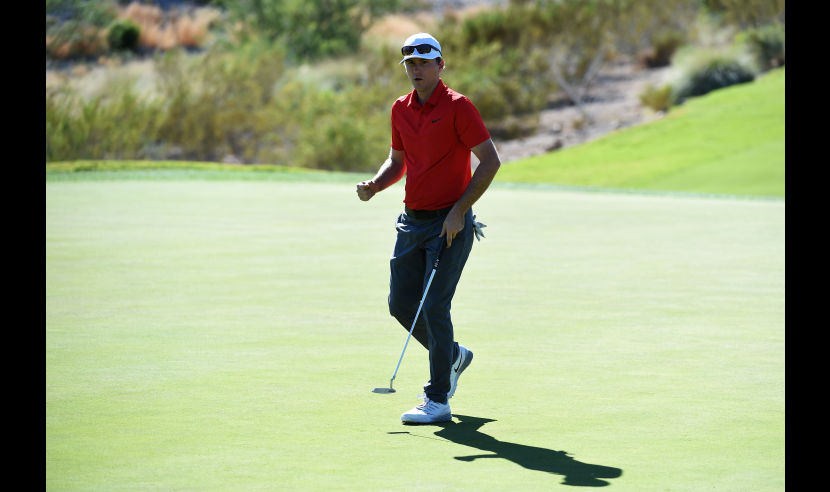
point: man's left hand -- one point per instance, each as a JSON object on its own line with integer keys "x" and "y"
{"x": 453, "y": 224}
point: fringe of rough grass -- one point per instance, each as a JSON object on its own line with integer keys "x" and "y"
{"x": 127, "y": 169}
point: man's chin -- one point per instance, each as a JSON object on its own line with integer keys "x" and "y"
{"x": 420, "y": 85}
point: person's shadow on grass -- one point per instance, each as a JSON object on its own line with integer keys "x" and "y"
{"x": 466, "y": 432}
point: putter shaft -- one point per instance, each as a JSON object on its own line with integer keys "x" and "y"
{"x": 418, "y": 313}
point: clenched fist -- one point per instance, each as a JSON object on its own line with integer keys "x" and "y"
{"x": 366, "y": 190}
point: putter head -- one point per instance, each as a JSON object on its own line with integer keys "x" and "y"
{"x": 386, "y": 390}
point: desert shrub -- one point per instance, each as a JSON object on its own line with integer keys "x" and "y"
{"x": 123, "y": 34}
{"x": 384, "y": 75}
{"x": 766, "y": 45}
{"x": 343, "y": 126}
{"x": 340, "y": 141}
{"x": 310, "y": 28}
{"x": 501, "y": 93}
{"x": 652, "y": 26}
{"x": 176, "y": 28}
{"x": 502, "y": 82}
{"x": 77, "y": 28}
{"x": 192, "y": 31}
{"x": 504, "y": 26}
{"x": 149, "y": 19}
{"x": 64, "y": 137}
{"x": 746, "y": 13}
{"x": 83, "y": 42}
{"x": 123, "y": 126}
{"x": 218, "y": 104}
{"x": 664, "y": 45}
{"x": 238, "y": 104}
{"x": 115, "y": 125}
{"x": 706, "y": 70}
{"x": 657, "y": 98}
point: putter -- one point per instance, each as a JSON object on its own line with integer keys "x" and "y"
{"x": 390, "y": 389}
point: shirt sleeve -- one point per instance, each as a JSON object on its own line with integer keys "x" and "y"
{"x": 469, "y": 125}
{"x": 397, "y": 141}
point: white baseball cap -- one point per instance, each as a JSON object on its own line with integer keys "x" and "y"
{"x": 421, "y": 45}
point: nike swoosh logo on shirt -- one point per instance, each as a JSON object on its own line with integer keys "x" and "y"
{"x": 435, "y": 121}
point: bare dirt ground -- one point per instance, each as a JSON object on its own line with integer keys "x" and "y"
{"x": 612, "y": 103}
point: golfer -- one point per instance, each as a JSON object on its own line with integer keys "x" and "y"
{"x": 434, "y": 129}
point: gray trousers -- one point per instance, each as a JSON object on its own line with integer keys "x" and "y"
{"x": 416, "y": 245}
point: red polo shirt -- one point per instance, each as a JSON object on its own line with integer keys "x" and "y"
{"x": 436, "y": 139}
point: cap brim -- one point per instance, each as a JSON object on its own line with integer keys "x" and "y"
{"x": 428, "y": 56}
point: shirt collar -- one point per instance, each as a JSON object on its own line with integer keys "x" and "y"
{"x": 440, "y": 89}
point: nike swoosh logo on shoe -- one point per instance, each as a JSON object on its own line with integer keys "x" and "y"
{"x": 460, "y": 360}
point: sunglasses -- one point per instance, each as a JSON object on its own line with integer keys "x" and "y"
{"x": 422, "y": 49}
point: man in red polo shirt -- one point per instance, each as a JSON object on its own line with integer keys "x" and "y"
{"x": 434, "y": 130}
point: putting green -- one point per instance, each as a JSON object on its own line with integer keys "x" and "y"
{"x": 226, "y": 335}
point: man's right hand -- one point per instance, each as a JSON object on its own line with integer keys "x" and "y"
{"x": 366, "y": 190}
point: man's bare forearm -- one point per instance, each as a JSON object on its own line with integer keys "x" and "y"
{"x": 489, "y": 164}
{"x": 482, "y": 177}
{"x": 390, "y": 172}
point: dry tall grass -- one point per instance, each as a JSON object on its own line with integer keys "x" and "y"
{"x": 90, "y": 41}
{"x": 164, "y": 32}
{"x": 393, "y": 29}
{"x": 159, "y": 30}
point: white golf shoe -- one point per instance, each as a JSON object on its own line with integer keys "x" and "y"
{"x": 428, "y": 412}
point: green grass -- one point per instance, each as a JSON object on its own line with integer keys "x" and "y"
{"x": 218, "y": 334}
{"x": 214, "y": 327}
{"x": 730, "y": 141}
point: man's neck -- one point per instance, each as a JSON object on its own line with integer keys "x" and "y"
{"x": 424, "y": 97}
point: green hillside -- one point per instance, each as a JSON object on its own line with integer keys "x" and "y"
{"x": 730, "y": 141}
